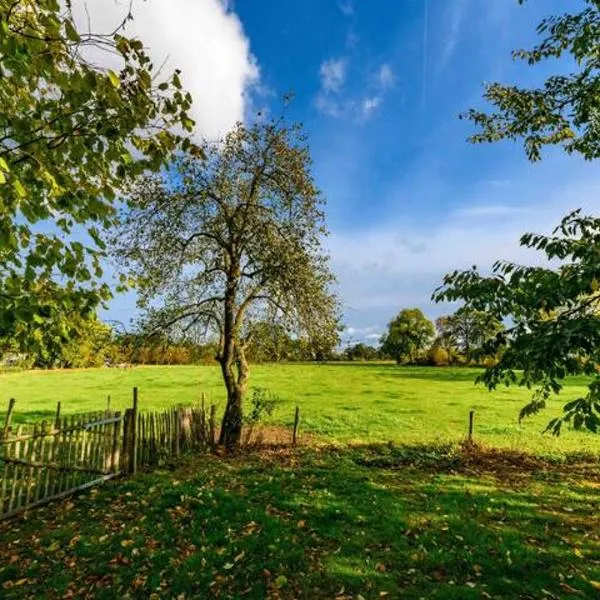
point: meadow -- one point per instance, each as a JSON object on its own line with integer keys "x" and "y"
{"x": 339, "y": 402}
{"x": 349, "y": 515}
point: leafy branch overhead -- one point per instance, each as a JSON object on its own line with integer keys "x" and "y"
{"x": 555, "y": 328}
{"x": 554, "y": 315}
{"x": 71, "y": 134}
{"x": 562, "y": 112}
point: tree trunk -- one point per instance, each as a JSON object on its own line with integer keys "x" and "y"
{"x": 231, "y": 428}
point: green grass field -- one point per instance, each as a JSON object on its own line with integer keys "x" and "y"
{"x": 364, "y": 521}
{"x": 341, "y": 402}
{"x": 350, "y": 524}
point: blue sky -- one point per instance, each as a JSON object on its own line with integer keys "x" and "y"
{"x": 379, "y": 85}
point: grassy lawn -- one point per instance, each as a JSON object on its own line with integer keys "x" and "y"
{"x": 370, "y": 522}
{"x": 341, "y": 402}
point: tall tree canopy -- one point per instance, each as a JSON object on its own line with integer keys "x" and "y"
{"x": 409, "y": 333}
{"x": 71, "y": 134}
{"x": 556, "y": 329}
{"x": 467, "y": 331}
{"x": 234, "y": 239}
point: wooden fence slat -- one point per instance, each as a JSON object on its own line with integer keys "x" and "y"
{"x": 9, "y": 412}
{"x": 50, "y": 460}
{"x": 31, "y": 471}
{"x": 14, "y": 450}
{"x": 41, "y": 458}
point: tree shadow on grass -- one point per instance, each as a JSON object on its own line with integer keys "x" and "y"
{"x": 374, "y": 521}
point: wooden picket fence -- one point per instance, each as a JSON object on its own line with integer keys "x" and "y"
{"x": 50, "y": 460}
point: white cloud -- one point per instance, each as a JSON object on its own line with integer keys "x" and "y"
{"x": 453, "y": 22}
{"x": 329, "y": 100}
{"x": 370, "y": 334}
{"x": 492, "y": 210}
{"x": 385, "y": 77}
{"x": 329, "y": 106}
{"x": 368, "y": 105}
{"x": 205, "y": 39}
{"x": 382, "y": 80}
{"x": 333, "y": 74}
{"x": 347, "y": 7}
{"x": 387, "y": 267}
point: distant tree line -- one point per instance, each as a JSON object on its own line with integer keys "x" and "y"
{"x": 411, "y": 338}
{"x": 457, "y": 339}
{"x": 97, "y": 344}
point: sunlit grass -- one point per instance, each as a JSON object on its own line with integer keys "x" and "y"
{"x": 341, "y": 402}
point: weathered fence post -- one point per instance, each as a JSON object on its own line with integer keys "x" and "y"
{"x": 108, "y": 404}
{"x": 57, "y": 416}
{"x": 177, "y": 430}
{"x": 9, "y": 412}
{"x": 211, "y": 425}
{"x": 133, "y": 433}
{"x": 125, "y": 445}
{"x": 114, "y": 454}
{"x": 296, "y": 423}
{"x": 471, "y": 424}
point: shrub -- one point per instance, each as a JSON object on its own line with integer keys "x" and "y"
{"x": 262, "y": 405}
{"x": 438, "y": 357}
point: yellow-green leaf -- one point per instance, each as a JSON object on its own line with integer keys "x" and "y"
{"x": 4, "y": 165}
{"x": 18, "y": 186}
{"x": 114, "y": 78}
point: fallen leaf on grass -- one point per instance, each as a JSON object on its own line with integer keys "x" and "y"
{"x": 571, "y": 590}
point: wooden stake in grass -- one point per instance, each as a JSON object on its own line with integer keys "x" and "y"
{"x": 471, "y": 425}
{"x": 57, "y": 417}
{"x": 296, "y": 423}
{"x": 9, "y": 412}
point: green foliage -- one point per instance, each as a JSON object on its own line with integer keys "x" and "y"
{"x": 361, "y": 351}
{"x": 72, "y": 134}
{"x": 556, "y": 330}
{"x": 409, "y": 334}
{"x": 466, "y": 332}
{"x": 564, "y": 111}
{"x": 89, "y": 344}
{"x": 556, "y": 324}
{"x": 230, "y": 241}
{"x": 438, "y": 356}
{"x": 262, "y": 405}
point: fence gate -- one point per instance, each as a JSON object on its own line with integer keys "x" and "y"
{"x": 39, "y": 463}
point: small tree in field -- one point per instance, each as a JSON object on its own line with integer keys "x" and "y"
{"x": 409, "y": 333}
{"x": 232, "y": 240}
